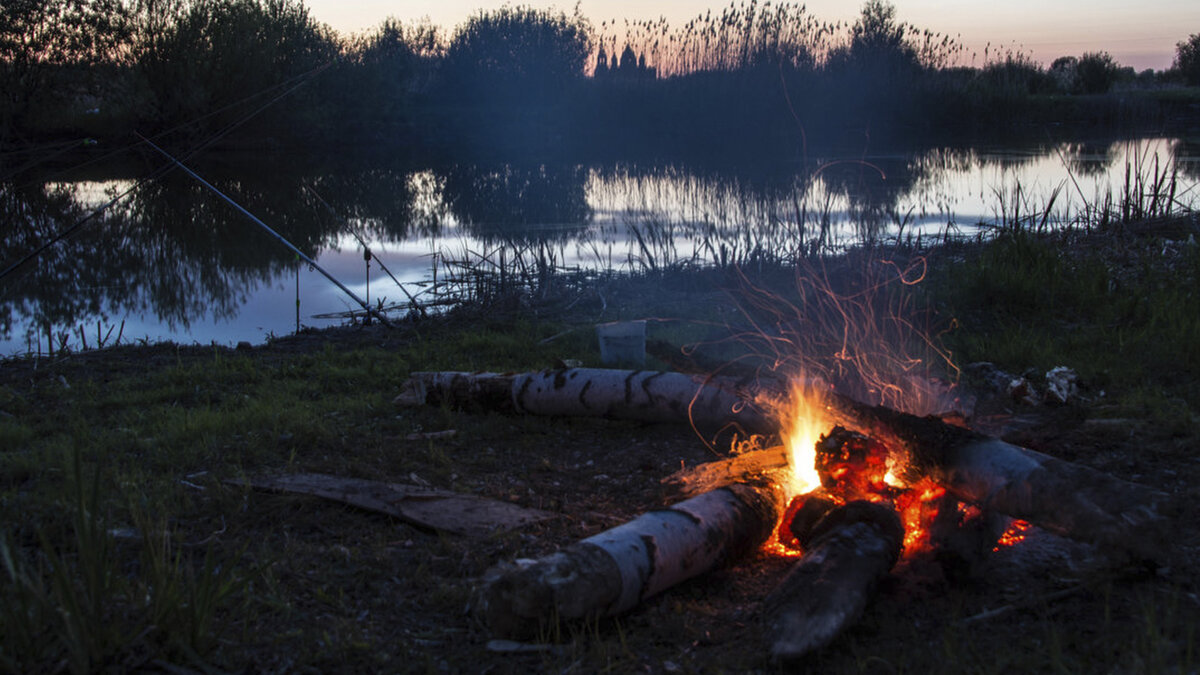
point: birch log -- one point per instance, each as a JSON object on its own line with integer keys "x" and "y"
{"x": 611, "y": 572}
{"x": 1064, "y": 498}
{"x": 847, "y": 551}
{"x": 709, "y": 403}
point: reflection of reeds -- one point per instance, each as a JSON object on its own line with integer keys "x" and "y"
{"x": 667, "y": 220}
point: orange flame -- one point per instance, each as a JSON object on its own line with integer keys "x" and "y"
{"x": 855, "y": 328}
{"x": 803, "y": 428}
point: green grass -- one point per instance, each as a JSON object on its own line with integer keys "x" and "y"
{"x": 1125, "y": 315}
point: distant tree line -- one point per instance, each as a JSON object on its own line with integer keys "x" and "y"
{"x": 266, "y": 72}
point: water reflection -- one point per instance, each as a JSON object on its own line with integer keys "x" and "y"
{"x": 1090, "y": 159}
{"x": 517, "y": 203}
{"x": 391, "y": 204}
{"x": 1186, "y": 156}
{"x": 188, "y": 266}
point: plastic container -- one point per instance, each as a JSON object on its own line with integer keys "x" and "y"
{"x": 622, "y": 343}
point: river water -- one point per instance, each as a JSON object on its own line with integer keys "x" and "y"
{"x": 171, "y": 260}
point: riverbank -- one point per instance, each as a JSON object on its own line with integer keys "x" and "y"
{"x": 135, "y": 544}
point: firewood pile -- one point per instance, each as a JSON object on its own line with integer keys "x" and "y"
{"x": 891, "y": 485}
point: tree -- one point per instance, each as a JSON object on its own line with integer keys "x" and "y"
{"x": 516, "y": 56}
{"x": 49, "y": 48}
{"x": 1095, "y": 73}
{"x": 1187, "y": 59}
{"x": 1064, "y": 71}
{"x": 876, "y": 38}
{"x": 199, "y": 56}
{"x": 371, "y": 93}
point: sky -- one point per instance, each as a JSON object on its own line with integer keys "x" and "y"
{"x": 1138, "y": 34}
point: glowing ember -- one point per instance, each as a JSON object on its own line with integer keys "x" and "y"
{"x": 1013, "y": 535}
{"x": 850, "y": 466}
{"x": 918, "y": 507}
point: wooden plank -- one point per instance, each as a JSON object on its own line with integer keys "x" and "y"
{"x": 424, "y": 507}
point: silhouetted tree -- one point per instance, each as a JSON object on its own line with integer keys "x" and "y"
{"x": 374, "y": 90}
{"x": 199, "y": 56}
{"x": 1063, "y": 70}
{"x": 516, "y": 55}
{"x": 1096, "y": 72}
{"x": 53, "y": 50}
{"x": 876, "y": 37}
{"x": 1187, "y": 59}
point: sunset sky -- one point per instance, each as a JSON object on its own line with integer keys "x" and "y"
{"x": 1138, "y": 34}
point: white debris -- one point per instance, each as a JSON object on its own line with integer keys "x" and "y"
{"x": 1062, "y": 384}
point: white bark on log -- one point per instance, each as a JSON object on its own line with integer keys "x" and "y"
{"x": 846, "y": 553}
{"x": 709, "y": 403}
{"x": 611, "y": 572}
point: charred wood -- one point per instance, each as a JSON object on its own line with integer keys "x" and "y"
{"x": 847, "y": 551}
{"x": 1064, "y": 498}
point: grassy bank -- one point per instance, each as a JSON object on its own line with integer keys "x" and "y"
{"x": 131, "y": 542}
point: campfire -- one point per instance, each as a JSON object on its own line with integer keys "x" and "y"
{"x": 866, "y": 474}
{"x": 857, "y": 488}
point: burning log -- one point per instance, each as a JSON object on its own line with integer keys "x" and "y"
{"x": 1066, "y": 499}
{"x": 611, "y": 572}
{"x": 592, "y": 392}
{"x": 848, "y": 549}
{"x": 1061, "y": 497}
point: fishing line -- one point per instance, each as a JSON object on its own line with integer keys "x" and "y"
{"x": 366, "y": 307}
{"x": 366, "y": 248}
{"x": 161, "y": 171}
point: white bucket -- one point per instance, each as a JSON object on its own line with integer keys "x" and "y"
{"x": 622, "y": 343}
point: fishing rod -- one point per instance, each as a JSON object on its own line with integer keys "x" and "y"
{"x": 412, "y": 300}
{"x": 362, "y": 303}
{"x": 303, "y": 79}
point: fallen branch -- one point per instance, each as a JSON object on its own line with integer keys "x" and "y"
{"x": 613, "y": 571}
{"x": 700, "y": 478}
